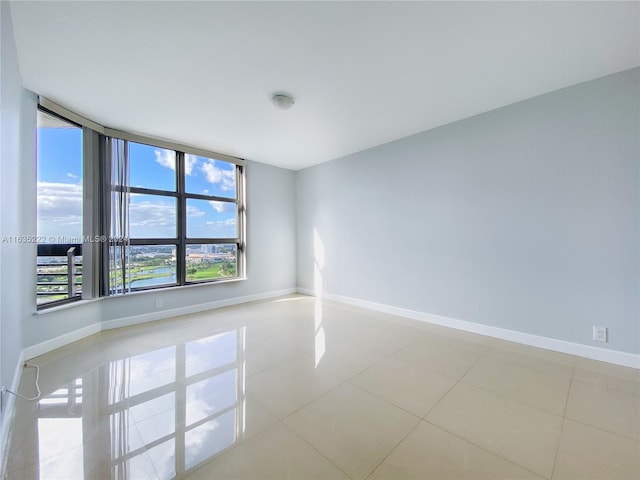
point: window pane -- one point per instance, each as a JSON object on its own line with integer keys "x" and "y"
{"x": 152, "y": 265}
{"x": 211, "y": 219}
{"x": 59, "y": 164}
{"x": 52, "y": 277}
{"x": 207, "y": 176}
{"x": 152, "y": 216}
{"x": 152, "y": 167}
{"x": 208, "y": 262}
{"x": 59, "y": 205}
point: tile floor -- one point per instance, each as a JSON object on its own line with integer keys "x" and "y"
{"x": 295, "y": 388}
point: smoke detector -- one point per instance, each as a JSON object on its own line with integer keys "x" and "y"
{"x": 282, "y": 101}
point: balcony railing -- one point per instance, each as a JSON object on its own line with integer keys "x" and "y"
{"x": 59, "y": 272}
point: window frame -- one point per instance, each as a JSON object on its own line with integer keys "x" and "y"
{"x": 186, "y": 240}
{"x": 181, "y": 241}
{"x": 97, "y": 213}
{"x": 60, "y": 247}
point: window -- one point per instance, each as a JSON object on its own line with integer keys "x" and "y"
{"x": 158, "y": 215}
{"x": 59, "y": 211}
{"x": 174, "y": 218}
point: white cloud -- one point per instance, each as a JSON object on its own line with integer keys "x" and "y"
{"x": 221, "y": 207}
{"x": 151, "y": 214}
{"x": 59, "y": 209}
{"x": 71, "y": 175}
{"x": 215, "y": 228}
{"x": 216, "y": 175}
{"x": 221, "y": 228}
{"x": 148, "y": 219}
{"x": 189, "y": 162}
{"x": 223, "y": 223}
{"x": 166, "y": 158}
{"x": 194, "y": 211}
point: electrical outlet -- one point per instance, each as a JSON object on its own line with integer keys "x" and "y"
{"x": 158, "y": 302}
{"x": 600, "y": 334}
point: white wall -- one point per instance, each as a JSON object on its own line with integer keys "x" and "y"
{"x": 17, "y": 201}
{"x": 524, "y": 218}
{"x": 17, "y": 261}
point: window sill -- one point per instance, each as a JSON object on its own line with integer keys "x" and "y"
{"x": 175, "y": 287}
{"x": 155, "y": 291}
{"x": 66, "y": 306}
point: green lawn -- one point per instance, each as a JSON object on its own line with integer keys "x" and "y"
{"x": 207, "y": 273}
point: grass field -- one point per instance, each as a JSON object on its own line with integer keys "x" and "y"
{"x": 213, "y": 271}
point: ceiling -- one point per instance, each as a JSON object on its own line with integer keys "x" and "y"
{"x": 362, "y": 74}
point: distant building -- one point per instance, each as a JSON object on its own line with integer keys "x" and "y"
{"x": 207, "y": 248}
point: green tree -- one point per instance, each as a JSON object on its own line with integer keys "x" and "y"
{"x": 228, "y": 269}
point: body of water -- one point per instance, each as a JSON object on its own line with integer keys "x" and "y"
{"x": 168, "y": 277}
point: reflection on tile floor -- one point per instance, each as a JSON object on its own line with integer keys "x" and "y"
{"x": 298, "y": 388}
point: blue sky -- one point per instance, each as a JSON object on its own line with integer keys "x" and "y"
{"x": 60, "y": 189}
{"x": 59, "y": 182}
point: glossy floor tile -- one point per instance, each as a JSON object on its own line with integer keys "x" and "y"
{"x": 431, "y": 453}
{"x": 296, "y": 388}
{"x": 289, "y": 386}
{"x": 412, "y": 389}
{"x": 352, "y": 428}
{"x": 528, "y": 385}
{"x": 515, "y": 431}
{"x": 275, "y": 454}
{"x": 439, "y": 355}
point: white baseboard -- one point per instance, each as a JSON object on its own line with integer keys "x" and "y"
{"x": 62, "y": 340}
{"x": 307, "y": 291}
{"x": 8, "y": 412}
{"x": 563, "y": 346}
{"x": 57, "y": 342}
{"x": 200, "y": 307}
